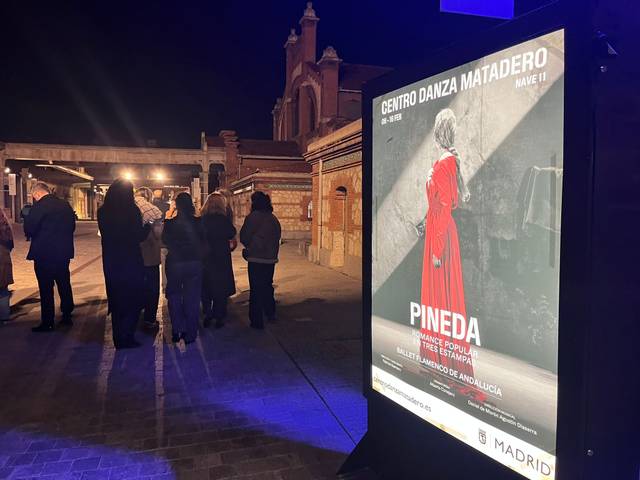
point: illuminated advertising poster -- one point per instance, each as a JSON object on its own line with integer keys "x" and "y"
{"x": 467, "y": 193}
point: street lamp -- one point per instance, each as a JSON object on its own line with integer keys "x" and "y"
{"x": 7, "y": 170}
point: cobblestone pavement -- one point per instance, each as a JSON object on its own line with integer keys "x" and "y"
{"x": 283, "y": 403}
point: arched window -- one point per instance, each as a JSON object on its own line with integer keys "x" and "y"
{"x": 341, "y": 192}
{"x": 312, "y": 112}
{"x": 310, "y": 210}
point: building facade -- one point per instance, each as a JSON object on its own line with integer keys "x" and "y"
{"x": 336, "y": 226}
{"x": 320, "y": 96}
{"x": 290, "y": 194}
{"x": 274, "y": 167}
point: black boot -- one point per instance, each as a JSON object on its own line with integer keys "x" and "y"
{"x": 43, "y": 328}
{"x": 129, "y": 344}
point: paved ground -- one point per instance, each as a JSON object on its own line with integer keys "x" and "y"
{"x": 283, "y": 403}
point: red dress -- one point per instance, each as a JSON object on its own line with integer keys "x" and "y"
{"x": 443, "y": 287}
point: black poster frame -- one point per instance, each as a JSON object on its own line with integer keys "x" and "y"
{"x": 400, "y": 445}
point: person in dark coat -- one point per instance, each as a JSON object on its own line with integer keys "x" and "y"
{"x": 49, "y": 226}
{"x": 122, "y": 230}
{"x": 260, "y": 235}
{"x": 184, "y": 238}
{"x": 218, "y": 281}
{"x": 6, "y": 267}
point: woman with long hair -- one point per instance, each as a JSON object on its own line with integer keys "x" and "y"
{"x": 227, "y": 197}
{"x": 218, "y": 282}
{"x": 184, "y": 239}
{"x": 260, "y": 235}
{"x": 442, "y": 281}
{"x": 122, "y": 230}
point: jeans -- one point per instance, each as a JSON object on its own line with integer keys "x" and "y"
{"x": 261, "y": 301}
{"x": 184, "y": 286}
{"x": 151, "y": 292}
{"x": 48, "y": 274}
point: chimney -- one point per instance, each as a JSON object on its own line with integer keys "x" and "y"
{"x": 232, "y": 166}
{"x": 290, "y": 47}
{"x": 329, "y": 72}
{"x": 203, "y": 141}
{"x": 309, "y": 23}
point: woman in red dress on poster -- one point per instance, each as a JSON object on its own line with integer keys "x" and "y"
{"x": 442, "y": 281}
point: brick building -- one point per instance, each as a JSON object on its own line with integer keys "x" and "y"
{"x": 336, "y": 162}
{"x": 274, "y": 167}
{"x": 248, "y": 156}
{"x": 290, "y": 196}
{"x": 320, "y": 96}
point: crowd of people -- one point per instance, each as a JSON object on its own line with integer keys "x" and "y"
{"x": 139, "y": 234}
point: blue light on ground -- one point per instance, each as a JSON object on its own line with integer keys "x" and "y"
{"x": 292, "y": 413}
{"x": 484, "y": 8}
{"x": 31, "y": 453}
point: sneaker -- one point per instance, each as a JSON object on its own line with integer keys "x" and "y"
{"x": 66, "y": 321}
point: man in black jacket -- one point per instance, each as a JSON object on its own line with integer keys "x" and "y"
{"x": 50, "y": 225}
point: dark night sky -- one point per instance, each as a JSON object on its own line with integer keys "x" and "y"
{"x": 122, "y": 72}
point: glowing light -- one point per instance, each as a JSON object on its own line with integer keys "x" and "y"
{"x": 160, "y": 175}
{"x": 127, "y": 175}
{"x": 493, "y": 8}
{"x": 30, "y": 176}
{"x": 7, "y": 170}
